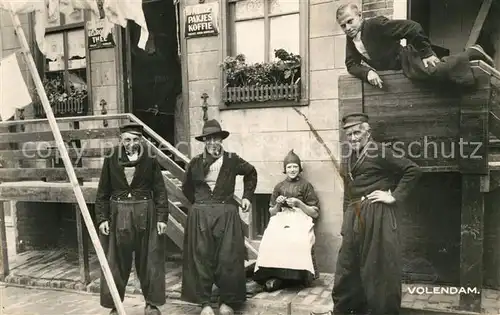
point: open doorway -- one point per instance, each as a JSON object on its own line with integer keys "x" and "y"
{"x": 155, "y": 78}
{"x": 449, "y": 24}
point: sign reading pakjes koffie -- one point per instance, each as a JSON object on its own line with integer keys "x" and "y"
{"x": 201, "y": 20}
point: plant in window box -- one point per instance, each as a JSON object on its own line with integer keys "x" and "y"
{"x": 260, "y": 82}
{"x": 63, "y": 103}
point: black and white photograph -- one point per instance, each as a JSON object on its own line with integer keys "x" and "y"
{"x": 250, "y": 157}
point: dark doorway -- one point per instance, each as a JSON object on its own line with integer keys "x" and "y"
{"x": 155, "y": 73}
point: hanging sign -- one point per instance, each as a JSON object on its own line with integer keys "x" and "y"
{"x": 201, "y": 20}
{"x": 95, "y": 38}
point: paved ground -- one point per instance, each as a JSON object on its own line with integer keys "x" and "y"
{"x": 28, "y": 301}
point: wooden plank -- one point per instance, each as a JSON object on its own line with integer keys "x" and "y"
{"x": 67, "y": 119}
{"x": 83, "y": 247}
{"x": 471, "y": 244}
{"x": 50, "y": 153}
{"x": 175, "y": 231}
{"x": 4, "y": 257}
{"x": 177, "y": 213}
{"x": 67, "y": 135}
{"x": 479, "y": 22}
{"x": 474, "y": 120}
{"x": 164, "y": 160}
{"x": 175, "y": 192}
{"x": 19, "y": 174}
{"x": 45, "y": 192}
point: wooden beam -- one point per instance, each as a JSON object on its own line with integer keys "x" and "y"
{"x": 19, "y": 174}
{"x": 45, "y": 192}
{"x": 50, "y": 153}
{"x": 175, "y": 231}
{"x": 83, "y": 247}
{"x": 67, "y": 119}
{"x": 67, "y": 135}
{"x": 479, "y": 22}
{"x": 471, "y": 244}
{"x": 4, "y": 258}
{"x": 474, "y": 126}
{"x": 177, "y": 213}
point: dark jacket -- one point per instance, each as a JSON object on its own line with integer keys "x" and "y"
{"x": 381, "y": 169}
{"x": 147, "y": 182}
{"x": 195, "y": 188}
{"x": 381, "y": 38}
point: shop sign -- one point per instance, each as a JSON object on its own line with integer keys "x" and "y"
{"x": 201, "y": 20}
{"x": 95, "y": 38}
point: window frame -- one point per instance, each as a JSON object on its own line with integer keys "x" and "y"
{"x": 64, "y": 29}
{"x": 226, "y": 44}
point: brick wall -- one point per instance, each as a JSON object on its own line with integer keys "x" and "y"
{"x": 372, "y": 8}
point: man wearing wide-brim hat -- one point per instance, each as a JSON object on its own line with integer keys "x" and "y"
{"x": 368, "y": 272}
{"x": 132, "y": 214}
{"x": 214, "y": 243}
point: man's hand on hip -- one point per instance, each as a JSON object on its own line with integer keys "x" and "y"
{"x": 381, "y": 196}
{"x": 162, "y": 228}
{"x": 104, "y": 228}
{"x": 374, "y": 79}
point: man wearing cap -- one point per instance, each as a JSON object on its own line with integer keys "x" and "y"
{"x": 376, "y": 184}
{"x": 376, "y": 43}
{"x": 132, "y": 214}
{"x": 214, "y": 243}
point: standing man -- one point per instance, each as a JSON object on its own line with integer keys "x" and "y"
{"x": 214, "y": 243}
{"x": 376, "y": 41}
{"x": 132, "y": 214}
{"x": 368, "y": 272}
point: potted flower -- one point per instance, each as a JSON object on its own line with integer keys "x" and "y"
{"x": 63, "y": 103}
{"x": 261, "y": 82}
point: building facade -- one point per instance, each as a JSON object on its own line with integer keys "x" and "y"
{"x": 183, "y": 67}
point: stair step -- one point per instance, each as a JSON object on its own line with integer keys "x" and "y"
{"x": 250, "y": 264}
{"x": 494, "y": 166}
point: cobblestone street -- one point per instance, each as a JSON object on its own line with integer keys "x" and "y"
{"x": 29, "y": 301}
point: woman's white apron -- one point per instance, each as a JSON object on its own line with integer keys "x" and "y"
{"x": 287, "y": 242}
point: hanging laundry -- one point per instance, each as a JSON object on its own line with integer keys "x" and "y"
{"x": 119, "y": 11}
{"x": 70, "y": 7}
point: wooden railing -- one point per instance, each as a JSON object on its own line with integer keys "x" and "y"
{"x": 262, "y": 93}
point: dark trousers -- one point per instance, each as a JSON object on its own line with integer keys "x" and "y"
{"x": 133, "y": 230}
{"x": 214, "y": 253}
{"x": 368, "y": 272}
{"x": 454, "y": 69}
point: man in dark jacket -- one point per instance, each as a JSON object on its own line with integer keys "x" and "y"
{"x": 368, "y": 271}
{"x": 132, "y": 214}
{"x": 376, "y": 42}
{"x": 214, "y": 243}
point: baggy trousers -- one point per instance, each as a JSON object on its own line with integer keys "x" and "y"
{"x": 214, "y": 253}
{"x": 368, "y": 272}
{"x": 454, "y": 69}
{"x": 133, "y": 230}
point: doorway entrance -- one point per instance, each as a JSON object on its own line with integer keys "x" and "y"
{"x": 153, "y": 92}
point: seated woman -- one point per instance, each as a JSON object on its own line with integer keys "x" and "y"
{"x": 286, "y": 250}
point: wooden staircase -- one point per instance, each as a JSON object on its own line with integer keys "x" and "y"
{"x": 28, "y": 172}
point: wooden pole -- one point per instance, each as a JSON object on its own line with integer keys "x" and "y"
{"x": 67, "y": 163}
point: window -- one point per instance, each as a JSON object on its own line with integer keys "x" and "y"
{"x": 64, "y": 67}
{"x": 256, "y": 29}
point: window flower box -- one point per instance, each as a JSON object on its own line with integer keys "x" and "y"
{"x": 64, "y": 102}
{"x": 262, "y": 82}
{"x": 262, "y": 93}
{"x": 65, "y": 108}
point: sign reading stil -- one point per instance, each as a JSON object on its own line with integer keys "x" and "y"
{"x": 95, "y": 38}
{"x": 201, "y": 20}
